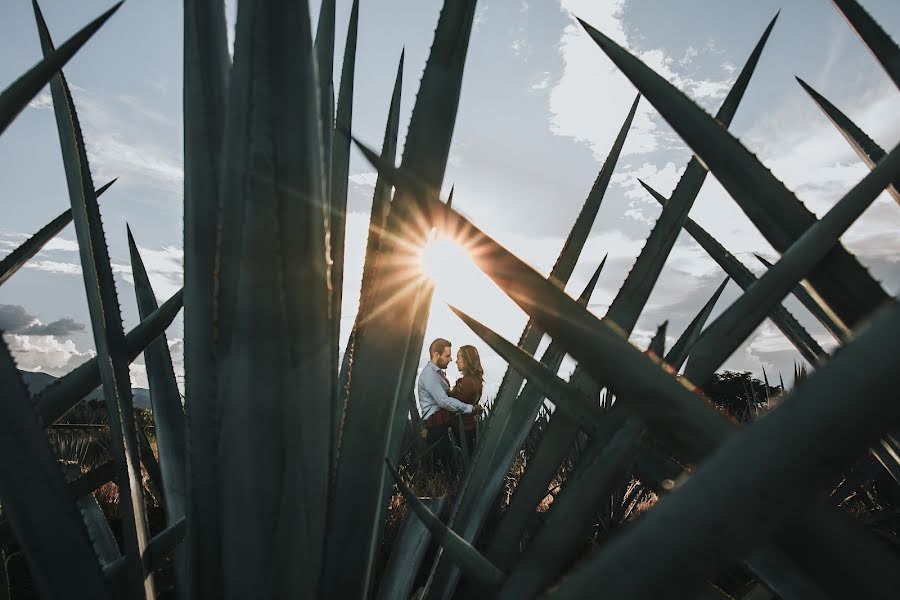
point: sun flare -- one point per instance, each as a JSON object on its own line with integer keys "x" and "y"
{"x": 446, "y": 262}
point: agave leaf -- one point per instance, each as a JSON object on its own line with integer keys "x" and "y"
{"x": 106, "y": 322}
{"x": 59, "y": 397}
{"x": 564, "y": 395}
{"x": 206, "y": 68}
{"x": 457, "y": 549}
{"x": 32, "y": 484}
{"x": 658, "y": 343}
{"x": 873, "y": 36}
{"x": 784, "y": 320}
{"x": 862, "y": 144}
{"x": 631, "y": 298}
{"x": 510, "y": 422}
{"x": 732, "y": 327}
{"x": 840, "y": 279}
{"x": 162, "y": 545}
{"x": 812, "y": 305}
{"x": 395, "y": 329}
{"x": 324, "y": 49}
{"x": 446, "y": 576}
{"x": 823, "y": 543}
{"x": 380, "y": 206}
{"x": 88, "y": 482}
{"x": 848, "y": 402}
{"x": 679, "y": 352}
{"x": 605, "y": 464}
{"x": 272, "y": 325}
{"x": 17, "y": 96}
{"x": 407, "y": 553}
{"x": 340, "y": 170}
{"x": 16, "y": 259}
{"x": 555, "y": 444}
{"x": 168, "y": 414}
{"x": 568, "y": 256}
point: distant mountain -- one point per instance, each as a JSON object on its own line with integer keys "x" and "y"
{"x": 35, "y": 381}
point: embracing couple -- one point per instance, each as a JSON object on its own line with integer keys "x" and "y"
{"x": 439, "y": 402}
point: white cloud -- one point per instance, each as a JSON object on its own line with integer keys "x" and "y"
{"x": 589, "y": 76}
{"x": 54, "y": 267}
{"x": 46, "y": 353}
{"x": 42, "y": 101}
{"x": 111, "y": 156}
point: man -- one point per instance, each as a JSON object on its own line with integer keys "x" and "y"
{"x": 437, "y": 407}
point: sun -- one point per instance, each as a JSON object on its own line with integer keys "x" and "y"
{"x": 446, "y": 262}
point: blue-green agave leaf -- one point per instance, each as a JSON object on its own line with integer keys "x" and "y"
{"x": 340, "y": 171}
{"x": 106, "y": 322}
{"x": 16, "y": 259}
{"x": 457, "y": 549}
{"x": 394, "y": 332}
{"x": 732, "y": 327}
{"x": 605, "y": 464}
{"x": 784, "y": 320}
{"x": 693, "y": 533}
{"x": 36, "y": 502}
{"x": 168, "y": 414}
{"x": 862, "y": 144}
{"x": 677, "y": 413}
{"x": 88, "y": 482}
{"x": 272, "y": 322}
{"x": 17, "y": 96}
{"x": 206, "y": 68}
{"x": 820, "y": 312}
{"x": 631, "y": 298}
{"x": 679, "y": 352}
{"x": 59, "y": 397}
{"x": 873, "y": 36}
{"x": 657, "y": 344}
{"x": 840, "y": 279}
{"x": 407, "y": 553}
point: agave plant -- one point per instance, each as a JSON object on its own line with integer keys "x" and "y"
{"x": 281, "y": 489}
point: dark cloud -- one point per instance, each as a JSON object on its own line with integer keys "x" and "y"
{"x": 15, "y": 319}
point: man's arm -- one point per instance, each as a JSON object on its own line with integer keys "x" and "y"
{"x": 432, "y": 384}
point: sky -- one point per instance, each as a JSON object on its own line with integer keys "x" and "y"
{"x": 540, "y": 107}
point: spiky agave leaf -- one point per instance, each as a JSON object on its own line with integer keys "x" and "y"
{"x": 732, "y": 327}
{"x": 848, "y": 402}
{"x": 16, "y": 259}
{"x": 324, "y": 49}
{"x": 446, "y": 576}
{"x": 106, "y": 322}
{"x": 682, "y": 347}
{"x": 407, "y": 553}
{"x": 820, "y": 312}
{"x": 631, "y": 298}
{"x": 395, "y": 329}
{"x": 873, "y": 36}
{"x": 36, "y": 502}
{"x": 168, "y": 414}
{"x": 59, "y": 397}
{"x": 380, "y": 206}
{"x": 206, "y": 67}
{"x": 568, "y": 256}
{"x": 510, "y": 422}
{"x": 862, "y": 144}
{"x": 340, "y": 170}
{"x": 606, "y": 462}
{"x": 822, "y": 542}
{"x": 457, "y": 549}
{"x": 784, "y": 320}
{"x": 272, "y": 329}
{"x": 840, "y": 279}
{"x": 17, "y": 96}
{"x": 657, "y": 344}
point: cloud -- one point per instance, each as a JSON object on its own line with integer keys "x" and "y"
{"x": 590, "y": 80}
{"x": 15, "y": 319}
{"x": 46, "y": 353}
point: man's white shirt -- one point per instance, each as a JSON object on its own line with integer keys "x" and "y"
{"x": 433, "y": 388}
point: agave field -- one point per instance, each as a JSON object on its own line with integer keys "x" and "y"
{"x": 283, "y": 490}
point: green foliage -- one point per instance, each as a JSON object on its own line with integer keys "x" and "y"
{"x": 274, "y": 504}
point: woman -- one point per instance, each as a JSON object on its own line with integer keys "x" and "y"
{"x": 468, "y": 388}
